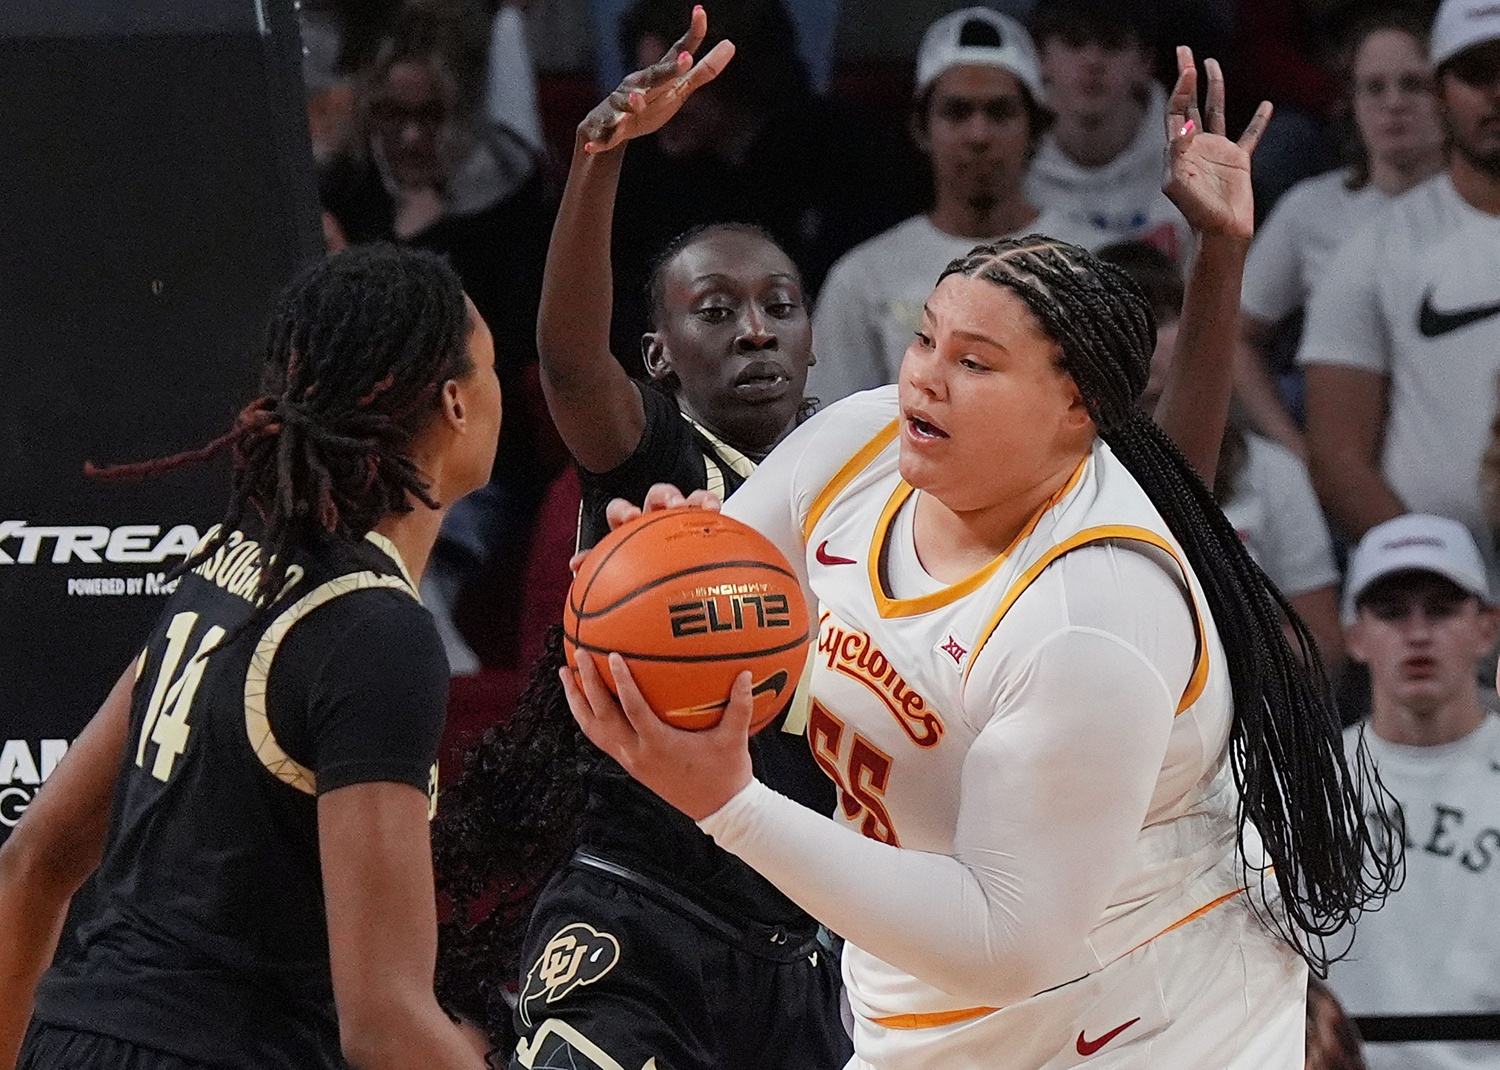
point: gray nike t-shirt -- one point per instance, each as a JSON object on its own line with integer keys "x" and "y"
{"x": 1415, "y": 296}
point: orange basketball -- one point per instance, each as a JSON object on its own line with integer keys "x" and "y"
{"x": 691, "y": 599}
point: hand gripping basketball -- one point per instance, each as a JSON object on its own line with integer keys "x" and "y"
{"x": 690, "y": 599}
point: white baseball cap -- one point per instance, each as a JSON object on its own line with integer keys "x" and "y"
{"x": 978, "y": 37}
{"x": 1462, "y": 24}
{"x": 1415, "y": 543}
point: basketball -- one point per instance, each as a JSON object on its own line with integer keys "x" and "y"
{"x": 690, "y": 599}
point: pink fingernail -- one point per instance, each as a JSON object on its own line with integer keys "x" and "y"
{"x": 697, "y": 8}
{"x": 684, "y": 57}
{"x": 1187, "y": 128}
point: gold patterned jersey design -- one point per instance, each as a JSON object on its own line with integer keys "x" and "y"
{"x": 257, "y": 725}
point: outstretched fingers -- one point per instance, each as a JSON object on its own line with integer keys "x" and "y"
{"x": 1213, "y": 113}
{"x": 1182, "y": 108}
{"x": 1256, "y": 127}
{"x": 707, "y": 69}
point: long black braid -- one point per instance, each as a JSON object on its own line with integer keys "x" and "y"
{"x": 512, "y": 819}
{"x": 357, "y": 351}
{"x": 1286, "y": 750}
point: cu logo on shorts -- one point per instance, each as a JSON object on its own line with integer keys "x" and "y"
{"x": 578, "y": 955}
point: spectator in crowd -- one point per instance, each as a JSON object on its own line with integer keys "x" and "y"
{"x": 430, "y": 170}
{"x": 1420, "y": 616}
{"x": 1395, "y": 142}
{"x": 1102, "y": 160}
{"x": 978, "y": 119}
{"x": 755, "y": 146}
{"x": 1402, "y": 342}
{"x": 1263, "y": 488}
{"x": 1332, "y": 1040}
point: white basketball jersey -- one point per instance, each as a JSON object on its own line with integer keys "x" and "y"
{"x": 902, "y": 687}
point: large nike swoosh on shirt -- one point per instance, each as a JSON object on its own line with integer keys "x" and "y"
{"x": 1089, "y": 1047}
{"x": 1432, "y": 323}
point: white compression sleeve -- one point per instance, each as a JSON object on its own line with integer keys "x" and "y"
{"x": 1055, "y": 790}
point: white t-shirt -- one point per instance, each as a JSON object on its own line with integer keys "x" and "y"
{"x": 871, "y": 302}
{"x": 1121, "y": 200}
{"x": 1434, "y": 948}
{"x": 1275, "y": 511}
{"x": 1415, "y": 296}
{"x": 1051, "y": 820}
{"x": 1293, "y": 247}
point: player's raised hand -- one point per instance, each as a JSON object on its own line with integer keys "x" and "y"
{"x": 646, "y": 99}
{"x": 1208, "y": 174}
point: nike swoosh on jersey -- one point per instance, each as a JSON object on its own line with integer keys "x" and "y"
{"x": 826, "y": 558}
{"x": 1089, "y": 1047}
{"x": 1433, "y": 323}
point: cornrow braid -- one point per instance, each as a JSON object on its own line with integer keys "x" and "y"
{"x": 356, "y": 353}
{"x": 502, "y": 830}
{"x": 1286, "y": 751}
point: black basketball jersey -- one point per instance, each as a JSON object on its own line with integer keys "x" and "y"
{"x": 206, "y": 935}
{"x": 628, "y": 822}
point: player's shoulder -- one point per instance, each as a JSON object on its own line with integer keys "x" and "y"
{"x": 852, "y": 431}
{"x": 847, "y": 425}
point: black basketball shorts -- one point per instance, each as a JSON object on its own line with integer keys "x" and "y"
{"x": 624, "y": 974}
{"x": 55, "y": 1047}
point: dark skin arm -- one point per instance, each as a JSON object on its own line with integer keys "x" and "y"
{"x": 1210, "y": 184}
{"x": 49, "y": 855}
{"x": 593, "y": 403}
{"x": 1345, "y": 414}
{"x": 382, "y": 929}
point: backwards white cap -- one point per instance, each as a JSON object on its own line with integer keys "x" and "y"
{"x": 979, "y": 37}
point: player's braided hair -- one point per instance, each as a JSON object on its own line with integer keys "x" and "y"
{"x": 501, "y": 832}
{"x": 1286, "y": 749}
{"x": 357, "y": 351}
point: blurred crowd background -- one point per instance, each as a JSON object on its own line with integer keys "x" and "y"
{"x": 1370, "y": 336}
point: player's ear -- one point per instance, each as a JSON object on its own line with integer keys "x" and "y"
{"x": 451, "y": 405}
{"x": 654, "y": 356}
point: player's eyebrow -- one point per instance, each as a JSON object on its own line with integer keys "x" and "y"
{"x": 973, "y": 336}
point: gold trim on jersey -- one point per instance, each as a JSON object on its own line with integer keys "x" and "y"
{"x": 933, "y": 1019}
{"x": 257, "y": 725}
{"x": 888, "y": 606}
{"x": 738, "y": 463}
{"x": 528, "y": 1051}
{"x": 852, "y": 467}
{"x": 1104, "y": 533}
{"x": 385, "y": 546}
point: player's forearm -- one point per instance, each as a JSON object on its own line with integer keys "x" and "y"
{"x": 1194, "y": 405}
{"x": 1046, "y": 828}
{"x": 32, "y": 909}
{"x": 406, "y": 1030}
{"x": 578, "y": 283}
